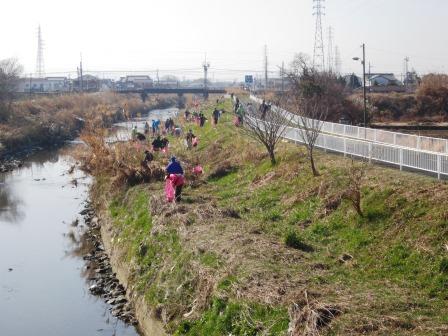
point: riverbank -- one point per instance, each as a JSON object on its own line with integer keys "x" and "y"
{"x": 260, "y": 249}
{"x": 48, "y": 122}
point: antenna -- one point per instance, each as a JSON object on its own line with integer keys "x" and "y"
{"x": 40, "y": 68}
{"x": 318, "y": 55}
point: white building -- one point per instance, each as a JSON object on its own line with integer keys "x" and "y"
{"x": 44, "y": 85}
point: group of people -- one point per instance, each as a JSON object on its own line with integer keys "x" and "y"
{"x": 169, "y": 125}
{"x": 174, "y": 171}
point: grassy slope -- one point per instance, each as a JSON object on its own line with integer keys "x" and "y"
{"x": 208, "y": 272}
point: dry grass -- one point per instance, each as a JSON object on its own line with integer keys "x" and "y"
{"x": 309, "y": 317}
{"x": 46, "y": 121}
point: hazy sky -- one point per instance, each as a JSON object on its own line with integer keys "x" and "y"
{"x": 176, "y": 34}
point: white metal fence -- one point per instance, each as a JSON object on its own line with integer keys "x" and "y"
{"x": 393, "y": 154}
{"x": 411, "y": 141}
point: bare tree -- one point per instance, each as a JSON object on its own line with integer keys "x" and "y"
{"x": 308, "y": 96}
{"x": 311, "y": 116}
{"x": 356, "y": 175}
{"x": 267, "y": 126}
{"x": 10, "y": 71}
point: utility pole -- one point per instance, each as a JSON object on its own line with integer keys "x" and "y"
{"x": 205, "y": 66}
{"x": 266, "y": 66}
{"x": 318, "y": 54}
{"x": 330, "y": 49}
{"x": 30, "y": 83}
{"x": 364, "y": 80}
{"x": 363, "y": 62}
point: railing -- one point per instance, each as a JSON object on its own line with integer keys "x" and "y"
{"x": 411, "y": 141}
{"x": 399, "y": 156}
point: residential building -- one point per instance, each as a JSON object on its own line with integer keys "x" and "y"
{"x": 88, "y": 83}
{"x": 44, "y": 85}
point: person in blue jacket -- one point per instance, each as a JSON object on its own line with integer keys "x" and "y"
{"x": 175, "y": 168}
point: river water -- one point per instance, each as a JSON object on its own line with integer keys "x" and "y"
{"x": 43, "y": 285}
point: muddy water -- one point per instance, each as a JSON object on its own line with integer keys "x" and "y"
{"x": 43, "y": 289}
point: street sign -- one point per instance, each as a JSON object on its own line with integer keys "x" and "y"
{"x": 249, "y": 79}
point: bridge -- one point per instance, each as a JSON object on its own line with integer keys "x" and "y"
{"x": 178, "y": 91}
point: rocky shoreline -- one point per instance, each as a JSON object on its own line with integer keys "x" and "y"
{"x": 102, "y": 280}
{"x": 9, "y": 165}
{"x": 10, "y": 162}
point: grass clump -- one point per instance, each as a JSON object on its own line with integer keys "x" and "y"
{"x": 233, "y": 318}
{"x": 293, "y": 240}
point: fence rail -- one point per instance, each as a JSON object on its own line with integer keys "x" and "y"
{"x": 377, "y": 151}
{"x": 411, "y": 141}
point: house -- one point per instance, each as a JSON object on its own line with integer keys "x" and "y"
{"x": 44, "y": 85}
{"x": 86, "y": 83}
{"x": 383, "y": 79}
{"x": 352, "y": 82}
{"x": 136, "y": 82}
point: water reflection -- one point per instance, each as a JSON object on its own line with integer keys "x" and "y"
{"x": 42, "y": 288}
{"x": 10, "y": 205}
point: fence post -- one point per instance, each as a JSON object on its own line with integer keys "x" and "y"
{"x": 395, "y": 138}
{"x": 325, "y": 142}
{"x": 401, "y": 158}
{"x": 370, "y": 152}
{"x": 446, "y": 146}
{"x": 439, "y": 165}
{"x": 419, "y": 144}
{"x": 345, "y": 147}
{"x": 375, "y": 135}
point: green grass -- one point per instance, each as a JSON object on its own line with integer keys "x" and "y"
{"x": 232, "y": 318}
{"x": 398, "y": 260}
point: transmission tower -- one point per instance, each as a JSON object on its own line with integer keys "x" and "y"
{"x": 330, "y": 59}
{"x": 337, "y": 60}
{"x": 40, "y": 68}
{"x": 266, "y": 66}
{"x": 318, "y": 55}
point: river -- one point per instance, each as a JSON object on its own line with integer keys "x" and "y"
{"x": 43, "y": 286}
